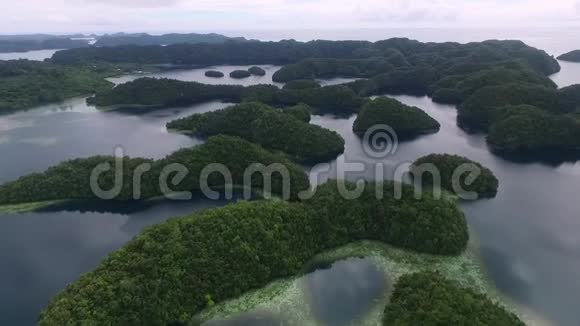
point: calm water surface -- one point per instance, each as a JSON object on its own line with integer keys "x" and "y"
{"x": 38, "y": 55}
{"x": 529, "y": 234}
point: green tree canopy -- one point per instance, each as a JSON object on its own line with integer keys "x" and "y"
{"x": 274, "y": 129}
{"x": 405, "y": 120}
{"x": 429, "y": 299}
{"x": 167, "y": 272}
{"x": 485, "y": 185}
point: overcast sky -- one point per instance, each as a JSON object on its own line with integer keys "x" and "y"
{"x": 63, "y": 16}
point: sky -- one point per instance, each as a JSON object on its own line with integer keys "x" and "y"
{"x": 101, "y": 16}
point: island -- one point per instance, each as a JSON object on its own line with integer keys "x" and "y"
{"x": 257, "y": 71}
{"x": 245, "y": 246}
{"x": 69, "y": 180}
{"x": 25, "y": 84}
{"x": 485, "y": 107}
{"x": 428, "y": 298}
{"x": 161, "y": 93}
{"x": 457, "y": 88}
{"x": 271, "y": 128}
{"x": 482, "y": 79}
{"x": 174, "y": 271}
{"x": 332, "y": 67}
{"x": 214, "y": 74}
{"x": 16, "y": 43}
{"x": 406, "y": 121}
{"x": 400, "y": 52}
{"x": 452, "y": 177}
{"x": 531, "y": 131}
{"x": 118, "y": 39}
{"x": 240, "y": 74}
{"x": 572, "y": 56}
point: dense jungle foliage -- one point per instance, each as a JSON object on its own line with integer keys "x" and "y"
{"x": 406, "y": 121}
{"x": 485, "y": 106}
{"x": 330, "y": 68}
{"x": 485, "y": 185}
{"x": 25, "y": 84}
{"x": 429, "y": 299}
{"x": 482, "y": 78}
{"x": 397, "y": 51}
{"x": 271, "y": 128}
{"x": 174, "y": 269}
{"x": 165, "y": 39}
{"x": 530, "y": 130}
{"x": 240, "y": 74}
{"x": 71, "y": 179}
{"x": 301, "y": 84}
{"x": 257, "y": 71}
{"x": 300, "y": 111}
{"x": 214, "y": 74}
{"x": 457, "y": 88}
{"x": 572, "y": 56}
{"x": 152, "y": 92}
{"x": 22, "y": 45}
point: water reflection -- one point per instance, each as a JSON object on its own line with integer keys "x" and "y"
{"x": 43, "y": 251}
{"x": 344, "y": 292}
{"x": 531, "y": 226}
{"x": 339, "y": 293}
{"x": 36, "y": 140}
{"x": 38, "y": 55}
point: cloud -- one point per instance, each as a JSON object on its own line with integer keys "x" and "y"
{"x": 405, "y": 13}
{"x": 129, "y": 3}
{"x": 214, "y": 15}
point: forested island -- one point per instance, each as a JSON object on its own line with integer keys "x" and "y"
{"x": 406, "y": 121}
{"x": 261, "y": 249}
{"x": 530, "y": 130}
{"x": 25, "y": 84}
{"x": 69, "y": 179}
{"x": 486, "y": 80}
{"x": 177, "y": 269}
{"x": 484, "y": 185}
{"x": 111, "y": 40}
{"x": 284, "y": 130}
{"x": 162, "y": 93}
{"x": 420, "y": 298}
{"x": 33, "y": 42}
{"x": 17, "y": 44}
{"x": 257, "y": 71}
{"x": 572, "y": 56}
{"x": 214, "y": 74}
{"x": 240, "y": 74}
{"x": 413, "y": 53}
